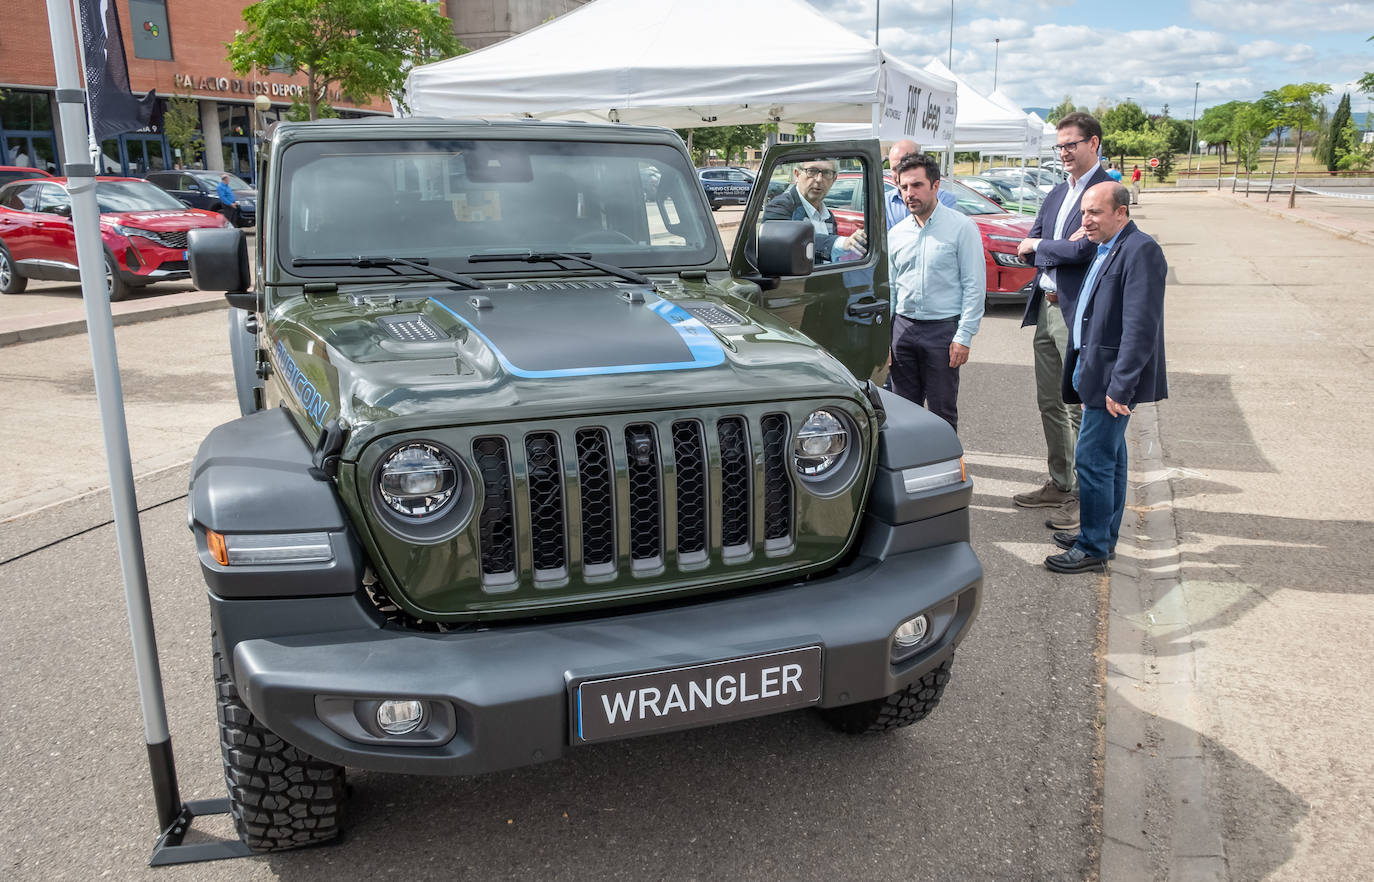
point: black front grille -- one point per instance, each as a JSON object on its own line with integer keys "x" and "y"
{"x": 692, "y": 503}
{"x": 168, "y": 239}
{"x": 646, "y": 500}
{"x": 496, "y": 524}
{"x": 546, "y": 501}
{"x": 600, "y": 503}
{"x": 734, "y": 479}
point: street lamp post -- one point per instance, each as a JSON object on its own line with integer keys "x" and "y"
{"x": 261, "y": 105}
{"x": 949, "y": 61}
{"x": 1192, "y": 128}
{"x": 996, "y": 47}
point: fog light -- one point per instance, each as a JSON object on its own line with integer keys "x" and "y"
{"x": 400, "y": 717}
{"x": 912, "y": 632}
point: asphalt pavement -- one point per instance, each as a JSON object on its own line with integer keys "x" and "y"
{"x": 1201, "y": 714}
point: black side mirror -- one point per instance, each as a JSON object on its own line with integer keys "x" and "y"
{"x": 786, "y": 248}
{"x": 62, "y": 210}
{"x": 219, "y": 262}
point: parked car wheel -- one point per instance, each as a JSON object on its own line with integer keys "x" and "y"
{"x": 115, "y": 286}
{"x": 10, "y": 280}
{"x": 910, "y": 705}
{"x": 280, "y": 797}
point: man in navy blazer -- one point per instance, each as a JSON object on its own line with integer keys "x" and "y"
{"x": 1115, "y": 362}
{"x": 1063, "y": 260}
{"x": 805, "y": 201}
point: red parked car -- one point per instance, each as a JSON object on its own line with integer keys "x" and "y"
{"x": 20, "y": 172}
{"x": 1009, "y": 277}
{"x": 143, "y": 228}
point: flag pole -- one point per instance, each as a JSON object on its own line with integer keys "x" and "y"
{"x": 174, "y": 816}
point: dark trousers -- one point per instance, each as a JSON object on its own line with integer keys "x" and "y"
{"x": 920, "y": 365}
{"x": 1101, "y": 463}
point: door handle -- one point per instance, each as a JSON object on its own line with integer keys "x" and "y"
{"x": 866, "y": 306}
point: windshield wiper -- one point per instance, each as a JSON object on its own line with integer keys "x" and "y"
{"x": 582, "y": 257}
{"x": 391, "y": 263}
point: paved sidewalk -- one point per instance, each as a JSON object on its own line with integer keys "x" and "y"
{"x": 68, "y": 319}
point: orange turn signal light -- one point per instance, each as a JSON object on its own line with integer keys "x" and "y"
{"x": 215, "y": 542}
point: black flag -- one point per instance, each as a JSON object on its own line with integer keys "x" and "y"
{"x": 114, "y": 108}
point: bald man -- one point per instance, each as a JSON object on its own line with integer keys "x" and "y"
{"x": 896, "y": 207}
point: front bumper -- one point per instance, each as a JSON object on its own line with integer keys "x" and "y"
{"x": 508, "y": 686}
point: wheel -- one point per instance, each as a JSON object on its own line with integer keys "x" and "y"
{"x": 280, "y": 797}
{"x": 115, "y": 285}
{"x": 10, "y": 280}
{"x": 910, "y": 705}
{"x": 715, "y": 207}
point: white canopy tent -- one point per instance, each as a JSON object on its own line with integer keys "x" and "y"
{"x": 664, "y": 62}
{"x": 1035, "y": 126}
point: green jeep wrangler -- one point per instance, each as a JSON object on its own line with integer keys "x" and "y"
{"x": 528, "y": 461}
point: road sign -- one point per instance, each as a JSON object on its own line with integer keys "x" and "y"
{"x": 1154, "y": 162}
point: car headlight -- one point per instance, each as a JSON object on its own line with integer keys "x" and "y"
{"x": 126, "y": 232}
{"x": 418, "y": 480}
{"x": 1006, "y": 258}
{"x": 820, "y": 445}
{"x": 1000, "y": 238}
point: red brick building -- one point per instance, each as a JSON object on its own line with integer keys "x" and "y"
{"x": 176, "y": 47}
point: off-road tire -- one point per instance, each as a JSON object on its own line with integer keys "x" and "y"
{"x": 10, "y": 280}
{"x": 281, "y": 797}
{"x": 910, "y": 705}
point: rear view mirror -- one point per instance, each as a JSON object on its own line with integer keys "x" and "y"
{"x": 786, "y": 248}
{"x": 219, "y": 260}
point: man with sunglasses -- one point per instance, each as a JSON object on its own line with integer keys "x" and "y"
{"x": 805, "y": 201}
{"x": 1058, "y": 246}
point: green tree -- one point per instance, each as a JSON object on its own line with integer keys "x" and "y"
{"x": 1296, "y": 105}
{"x": 1214, "y": 126}
{"x": 1063, "y": 109}
{"x": 1335, "y": 145}
{"x": 364, "y": 47}
{"x": 1120, "y": 125}
{"x": 1249, "y": 124}
{"x": 181, "y": 125}
{"x": 1357, "y": 155}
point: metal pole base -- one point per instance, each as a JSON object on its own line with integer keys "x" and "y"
{"x": 169, "y": 849}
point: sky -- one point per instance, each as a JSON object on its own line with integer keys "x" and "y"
{"x": 1152, "y": 52}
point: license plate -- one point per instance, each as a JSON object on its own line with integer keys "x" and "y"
{"x": 696, "y": 695}
{"x": 185, "y": 255}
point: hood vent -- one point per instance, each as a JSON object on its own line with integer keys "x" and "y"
{"x": 714, "y": 316}
{"x": 412, "y": 328}
{"x": 562, "y": 286}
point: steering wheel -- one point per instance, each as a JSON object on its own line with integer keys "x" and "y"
{"x": 606, "y": 237}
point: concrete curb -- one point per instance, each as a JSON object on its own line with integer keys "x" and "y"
{"x": 72, "y": 320}
{"x": 1337, "y": 229}
{"x": 1156, "y": 820}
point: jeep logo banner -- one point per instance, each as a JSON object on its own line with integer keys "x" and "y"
{"x": 914, "y": 110}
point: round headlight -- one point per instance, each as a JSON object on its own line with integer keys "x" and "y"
{"x": 418, "y": 480}
{"x": 820, "y": 444}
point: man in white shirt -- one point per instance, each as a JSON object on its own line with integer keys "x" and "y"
{"x": 939, "y": 285}
{"x": 805, "y": 200}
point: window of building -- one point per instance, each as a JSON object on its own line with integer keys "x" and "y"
{"x": 152, "y": 36}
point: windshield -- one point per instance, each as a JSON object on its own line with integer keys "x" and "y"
{"x": 113, "y": 196}
{"x": 968, "y": 201}
{"x": 236, "y": 183}
{"x": 448, "y": 202}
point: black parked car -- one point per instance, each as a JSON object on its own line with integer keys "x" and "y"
{"x": 725, "y": 186}
{"x": 199, "y": 189}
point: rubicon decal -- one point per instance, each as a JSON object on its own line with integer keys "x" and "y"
{"x": 310, "y": 398}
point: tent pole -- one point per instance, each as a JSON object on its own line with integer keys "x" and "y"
{"x": 174, "y": 816}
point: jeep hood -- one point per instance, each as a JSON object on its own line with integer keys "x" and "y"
{"x": 437, "y": 355}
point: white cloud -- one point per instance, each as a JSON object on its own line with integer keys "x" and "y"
{"x": 1286, "y": 16}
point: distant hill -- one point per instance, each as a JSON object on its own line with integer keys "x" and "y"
{"x": 1041, "y": 111}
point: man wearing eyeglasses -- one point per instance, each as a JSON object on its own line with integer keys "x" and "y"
{"x": 1058, "y": 246}
{"x": 805, "y": 201}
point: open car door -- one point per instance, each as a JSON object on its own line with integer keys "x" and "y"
{"x": 843, "y": 304}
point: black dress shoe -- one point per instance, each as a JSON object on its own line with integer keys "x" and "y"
{"x": 1067, "y": 540}
{"x": 1075, "y": 561}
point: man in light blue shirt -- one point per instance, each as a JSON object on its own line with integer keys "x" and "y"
{"x": 939, "y": 283}
{"x": 896, "y": 207}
